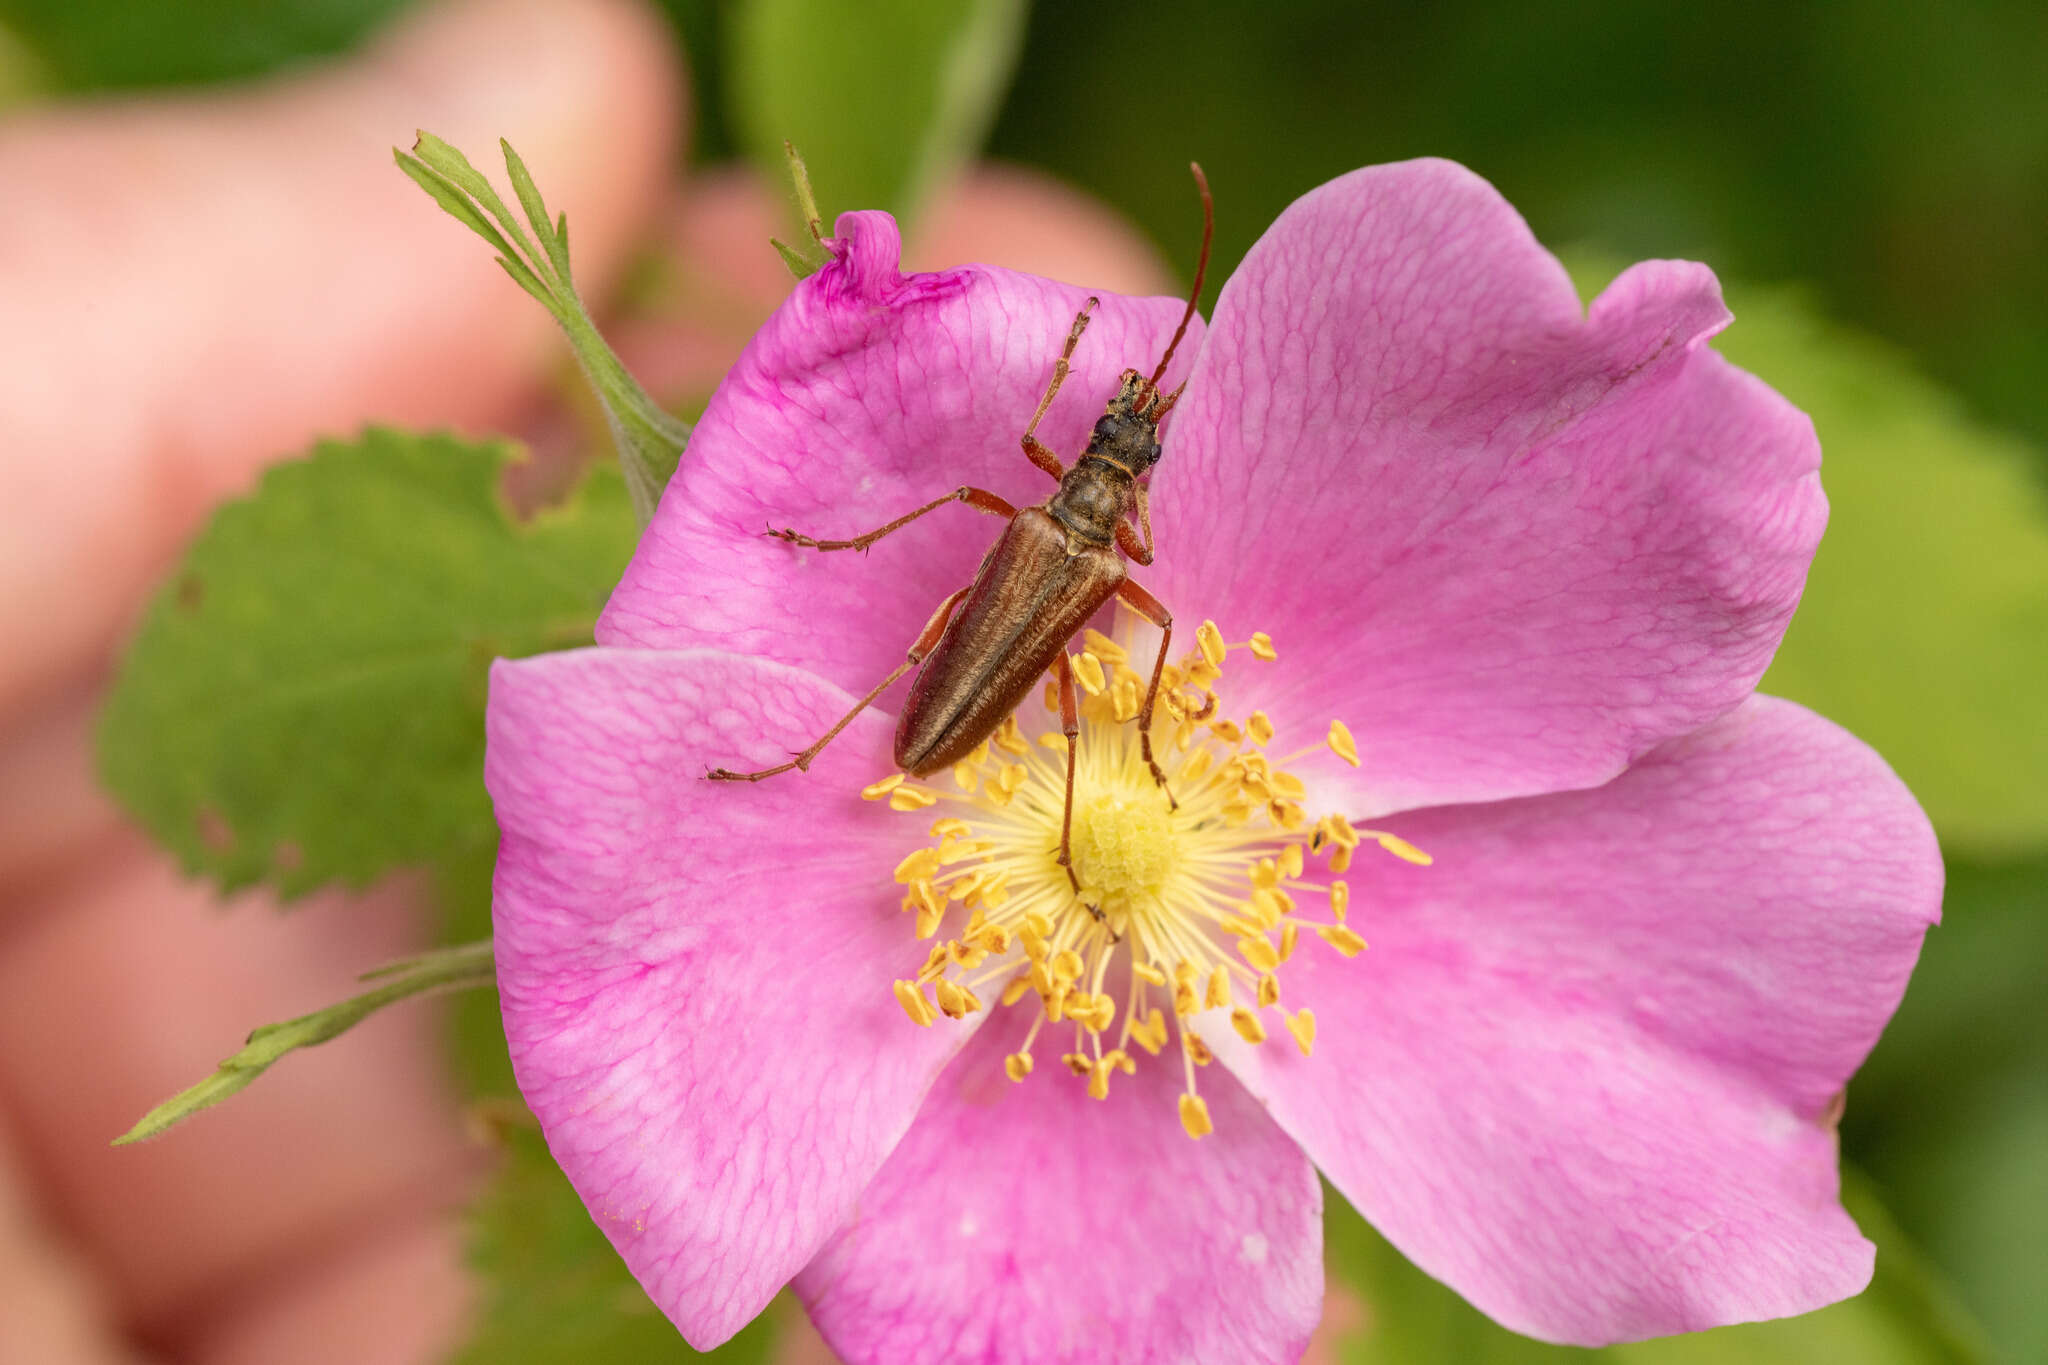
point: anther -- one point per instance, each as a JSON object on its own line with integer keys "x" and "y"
{"x": 1102, "y": 647}
{"x": 1262, "y": 646}
{"x": 1211, "y": 641}
{"x": 1247, "y": 1025}
{"x": 875, "y": 791}
{"x": 1402, "y": 849}
{"x": 1342, "y": 744}
{"x": 1343, "y": 938}
{"x": 1018, "y": 1064}
{"x": 1088, "y": 673}
{"x": 1218, "y": 993}
{"x": 1302, "y": 1024}
{"x": 918, "y": 866}
{"x": 914, "y": 1004}
{"x": 1194, "y": 1116}
{"x": 1259, "y": 953}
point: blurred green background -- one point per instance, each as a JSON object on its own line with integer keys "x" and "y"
{"x": 1869, "y": 178}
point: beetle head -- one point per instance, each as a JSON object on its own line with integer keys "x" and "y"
{"x": 1128, "y": 430}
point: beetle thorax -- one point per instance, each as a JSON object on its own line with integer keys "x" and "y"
{"x": 1124, "y": 445}
{"x": 1094, "y": 496}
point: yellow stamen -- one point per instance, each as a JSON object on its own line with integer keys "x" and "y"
{"x": 1104, "y": 648}
{"x": 1218, "y": 994}
{"x": 914, "y": 1004}
{"x": 1195, "y": 896}
{"x": 1342, "y": 744}
{"x": 1247, "y": 1025}
{"x": 1402, "y": 849}
{"x": 918, "y": 865}
{"x": 1343, "y": 938}
{"x": 1194, "y": 1116}
{"x": 911, "y": 798}
{"x": 1088, "y": 673}
{"x": 1259, "y": 953}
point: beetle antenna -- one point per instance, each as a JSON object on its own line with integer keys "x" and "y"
{"x": 1201, "y": 269}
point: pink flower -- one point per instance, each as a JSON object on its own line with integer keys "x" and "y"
{"x": 1534, "y": 559}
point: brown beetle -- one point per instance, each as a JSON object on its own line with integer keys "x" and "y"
{"x": 1053, "y": 567}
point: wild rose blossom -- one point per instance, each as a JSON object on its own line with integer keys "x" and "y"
{"x": 1531, "y": 560}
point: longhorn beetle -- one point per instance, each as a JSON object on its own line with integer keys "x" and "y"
{"x": 1053, "y": 566}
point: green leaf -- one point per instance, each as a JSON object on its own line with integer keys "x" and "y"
{"x": 129, "y": 43}
{"x": 1924, "y": 628}
{"x": 459, "y": 968}
{"x": 649, "y": 439}
{"x": 1906, "y": 1317}
{"x": 304, "y": 702}
{"x": 557, "y": 1291}
{"x": 476, "y": 1029}
{"x": 884, "y": 99}
{"x": 1951, "y": 1111}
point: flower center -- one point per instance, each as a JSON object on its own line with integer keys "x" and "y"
{"x": 1124, "y": 846}
{"x": 1190, "y": 895}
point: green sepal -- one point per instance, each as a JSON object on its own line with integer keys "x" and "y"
{"x": 650, "y": 440}
{"x": 444, "y": 969}
{"x": 800, "y": 265}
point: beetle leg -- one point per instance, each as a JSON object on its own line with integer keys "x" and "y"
{"x": 1035, "y": 450}
{"x": 980, "y": 499}
{"x": 927, "y": 641}
{"x": 1153, "y": 610}
{"x": 1070, "y": 726}
{"x": 1127, "y": 540}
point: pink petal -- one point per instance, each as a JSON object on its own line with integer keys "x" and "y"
{"x": 867, "y": 395}
{"x": 1587, "y": 1072}
{"x": 696, "y": 975}
{"x": 1030, "y": 1225}
{"x": 1512, "y": 548}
